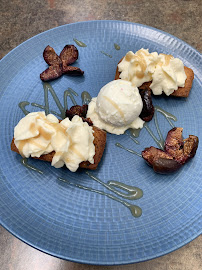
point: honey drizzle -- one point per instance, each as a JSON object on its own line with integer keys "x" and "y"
{"x": 114, "y": 104}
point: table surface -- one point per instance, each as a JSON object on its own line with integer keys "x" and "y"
{"x": 22, "y": 19}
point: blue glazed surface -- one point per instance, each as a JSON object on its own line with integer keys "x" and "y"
{"x": 76, "y": 224}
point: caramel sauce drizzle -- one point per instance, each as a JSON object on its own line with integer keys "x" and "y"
{"x": 76, "y": 151}
{"x": 128, "y": 57}
{"x": 139, "y": 59}
{"x": 115, "y": 106}
{"x": 168, "y": 57}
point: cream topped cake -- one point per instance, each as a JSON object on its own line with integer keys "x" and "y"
{"x": 164, "y": 71}
{"x": 37, "y": 134}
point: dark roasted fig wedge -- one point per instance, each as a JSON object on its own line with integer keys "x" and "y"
{"x": 177, "y": 152}
{"x": 51, "y": 73}
{"x": 77, "y": 110}
{"x": 181, "y": 150}
{"x": 148, "y": 108}
{"x": 165, "y": 166}
{"x": 74, "y": 71}
{"x": 174, "y": 143}
{"x": 87, "y": 120}
{"x": 160, "y": 160}
{"x": 51, "y": 57}
{"x": 69, "y": 55}
{"x": 150, "y": 154}
{"x": 190, "y": 146}
{"x": 80, "y": 111}
{"x": 60, "y": 64}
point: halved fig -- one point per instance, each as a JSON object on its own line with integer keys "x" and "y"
{"x": 148, "y": 108}
{"x": 74, "y": 71}
{"x": 51, "y": 57}
{"x": 60, "y": 64}
{"x": 51, "y": 73}
{"x": 69, "y": 55}
{"x": 80, "y": 111}
{"x": 177, "y": 152}
{"x": 77, "y": 110}
{"x": 87, "y": 120}
{"x": 190, "y": 146}
{"x": 165, "y": 166}
{"x": 150, "y": 154}
{"x": 160, "y": 161}
{"x": 181, "y": 150}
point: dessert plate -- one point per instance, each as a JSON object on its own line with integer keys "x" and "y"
{"x": 79, "y": 216}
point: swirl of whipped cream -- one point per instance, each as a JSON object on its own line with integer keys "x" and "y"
{"x": 72, "y": 141}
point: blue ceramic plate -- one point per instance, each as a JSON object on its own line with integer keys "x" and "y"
{"x": 84, "y": 226}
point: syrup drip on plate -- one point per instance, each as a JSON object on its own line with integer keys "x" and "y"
{"x": 48, "y": 89}
{"x": 131, "y": 193}
{"x": 110, "y": 56}
{"x": 135, "y": 210}
{"x": 24, "y": 162}
{"x": 132, "y": 137}
{"x": 85, "y": 97}
{"x": 127, "y": 149}
{"x": 22, "y": 106}
{"x": 116, "y": 46}
{"x": 159, "y": 141}
{"x": 79, "y": 43}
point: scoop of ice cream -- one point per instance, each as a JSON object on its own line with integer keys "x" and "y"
{"x": 117, "y": 107}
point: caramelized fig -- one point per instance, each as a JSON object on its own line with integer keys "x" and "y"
{"x": 181, "y": 150}
{"x": 165, "y": 166}
{"x": 148, "y": 108}
{"x": 80, "y": 111}
{"x": 69, "y": 55}
{"x": 145, "y": 86}
{"x": 190, "y": 146}
{"x": 87, "y": 120}
{"x": 177, "y": 152}
{"x": 51, "y": 73}
{"x": 160, "y": 160}
{"x": 150, "y": 154}
{"x": 74, "y": 71}
{"x": 51, "y": 57}
{"x": 60, "y": 64}
{"x": 77, "y": 110}
{"x": 174, "y": 142}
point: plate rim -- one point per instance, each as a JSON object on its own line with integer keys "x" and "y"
{"x": 101, "y": 21}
